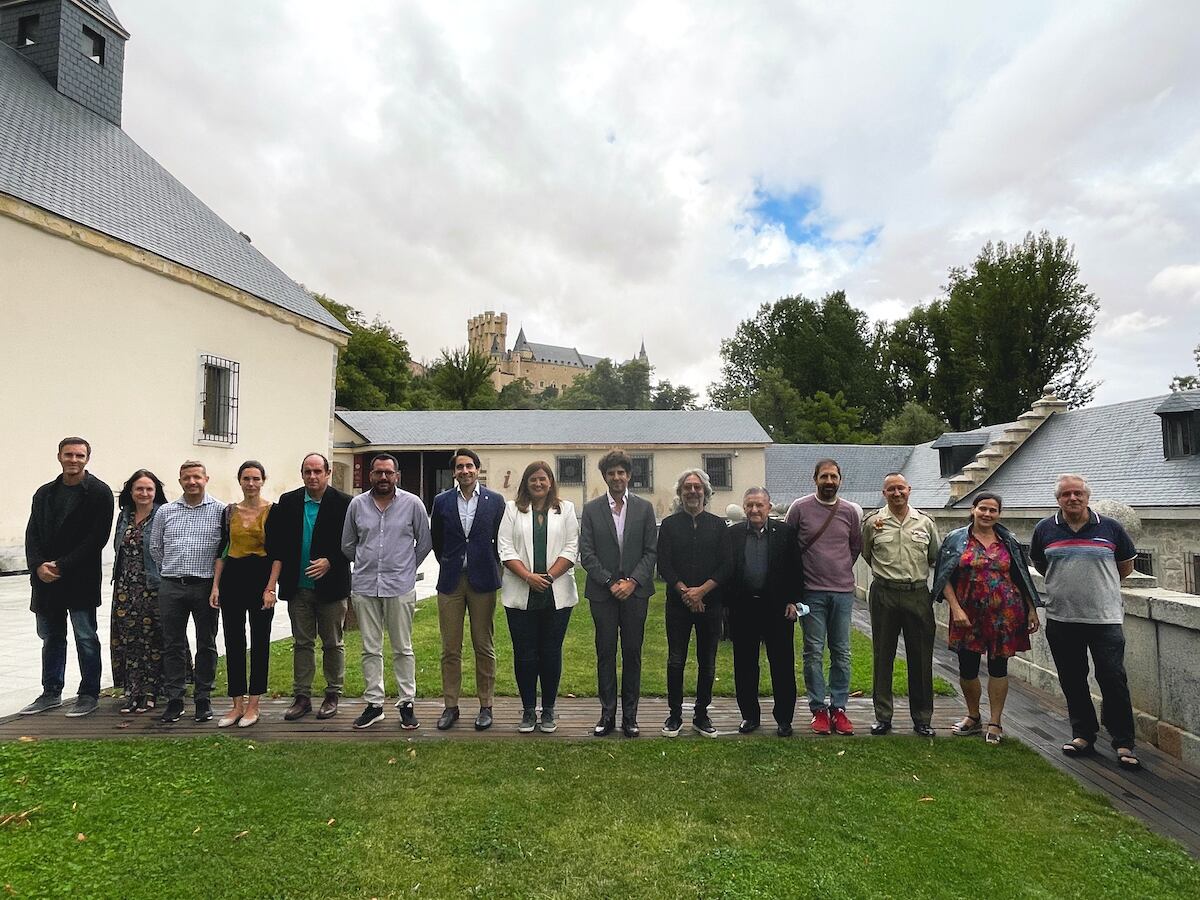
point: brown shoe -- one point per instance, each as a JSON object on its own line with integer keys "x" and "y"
{"x": 301, "y": 707}
{"x": 328, "y": 707}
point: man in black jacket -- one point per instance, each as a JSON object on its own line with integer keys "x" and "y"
{"x": 762, "y": 600}
{"x": 694, "y": 561}
{"x": 304, "y": 533}
{"x": 68, "y": 528}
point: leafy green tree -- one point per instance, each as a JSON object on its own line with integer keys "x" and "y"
{"x": 463, "y": 377}
{"x": 828, "y": 419}
{"x": 817, "y": 346}
{"x": 777, "y": 406}
{"x": 1188, "y": 382}
{"x": 374, "y": 368}
{"x": 666, "y": 396}
{"x": 609, "y": 386}
{"x": 518, "y": 394}
{"x": 914, "y": 424}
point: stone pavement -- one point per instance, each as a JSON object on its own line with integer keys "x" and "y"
{"x": 21, "y": 649}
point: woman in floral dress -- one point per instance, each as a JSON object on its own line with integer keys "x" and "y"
{"x": 984, "y": 576}
{"x": 136, "y": 636}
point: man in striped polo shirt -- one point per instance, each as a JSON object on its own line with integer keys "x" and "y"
{"x": 1084, "y": 556}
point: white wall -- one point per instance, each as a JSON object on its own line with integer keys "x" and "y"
{"x": 95, "y": 346}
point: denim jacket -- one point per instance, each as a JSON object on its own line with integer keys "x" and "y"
{"x": 951, "y": 552}
{"x": 152, "y": 572}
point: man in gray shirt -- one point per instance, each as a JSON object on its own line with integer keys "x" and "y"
{"x": 386, "y": 537}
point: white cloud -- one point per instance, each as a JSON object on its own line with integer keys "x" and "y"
{"x": 588, "y": 168}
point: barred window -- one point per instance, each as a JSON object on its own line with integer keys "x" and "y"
{"x": 642, "y": 476}
{"x": 218, "y": 400}
{"x": 570, "y": 469}
{"x": 1191, "y": 573}
{"x": 1144, "y": 562}
{"x": 719, "y": 467}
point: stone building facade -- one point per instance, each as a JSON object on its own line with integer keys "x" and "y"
{"x": 542, "y": 365}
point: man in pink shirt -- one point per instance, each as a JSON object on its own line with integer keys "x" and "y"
{"x": 829, "y": 532}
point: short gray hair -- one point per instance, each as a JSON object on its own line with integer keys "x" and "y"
{"x": 1070, "y": 476}
{"x": 704, "y": 480}
{"x": 757, "y": 489}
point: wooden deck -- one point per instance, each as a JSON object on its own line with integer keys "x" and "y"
{"x": 1165, "y": 795}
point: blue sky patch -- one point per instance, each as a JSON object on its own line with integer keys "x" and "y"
{"x": 797, "y": 213}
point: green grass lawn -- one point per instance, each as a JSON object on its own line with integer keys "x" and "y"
{"x": 219, "y": 817}
{"x": 579, "y": 659}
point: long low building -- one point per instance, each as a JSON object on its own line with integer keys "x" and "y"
{"x": 729, "y": 446}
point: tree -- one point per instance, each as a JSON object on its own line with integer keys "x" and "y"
{"x": 374, "y": 368}
{"x": 914, "y": 424}
{"x": 666, "y": 396}
{"x": 463, "y": 376}
{"x": 609, "y": 386}
{"x": 517, "y": 394}
{"x": 816, "y": 346}
{"x": 828, "y": 419}
{"x": 1188, "y": 382}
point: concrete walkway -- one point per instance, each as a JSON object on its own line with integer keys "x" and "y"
{"x": 21, "y": 648}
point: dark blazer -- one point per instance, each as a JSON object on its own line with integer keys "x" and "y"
{"x": 785, "y": 571}
{"x": 477, "y": 551}
{"x": 605, "y": 561}
{"x": 75, "y": 542}
{"x": 285, "y": 533}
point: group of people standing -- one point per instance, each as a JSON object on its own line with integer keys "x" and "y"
{"x": 321, "y": 550}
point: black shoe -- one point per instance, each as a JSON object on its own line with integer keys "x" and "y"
{"x": 408, "y": 718}
{"x": 924, "y": 729}
{"x": 528, "y": 721}
{"x": 173, "y": 712}
{"x": 483, "y": 721}
{"x": 547, "y": 724}
{"x": 42, "y": 703}
{"x": 630, "y": 728}
{"x": 672, "y": 726}
{"x": 128, "y": 706}
{"x": 747, "y": 726}
{"x": 448, "y": 717}
{"x": 703, "y": 725}
{"x": 369, "y": 716}
{"x": 203, "y": 710}
{"x": 784, "y": 729}
{"x": 605, "y": 726}
{"x": 880, "y": 728}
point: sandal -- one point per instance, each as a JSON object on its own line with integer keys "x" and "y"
{"x": 963, "y": 729}
{"x": 1128, "y": 760}
{"x": 130, "y": 705}
{"x": 1076, "y": 748}
{"x": 993, "y": 737}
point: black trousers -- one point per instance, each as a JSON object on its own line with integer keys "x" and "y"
{"x": 176, "y": 603}
{"x": 680, "y": 622}
{"x": 242, "y": 584}
{"x": 750, "y": 630}
{"x": 625, "y": 619}
{"x": 1069, "y": 645}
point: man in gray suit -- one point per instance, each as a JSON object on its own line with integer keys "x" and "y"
{"x": 618, "y": 548}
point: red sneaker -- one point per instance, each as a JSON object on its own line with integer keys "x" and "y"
{"x": 820, "y": 722}
{"x": 842, "y": 723}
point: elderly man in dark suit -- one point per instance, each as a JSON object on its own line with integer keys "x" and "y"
{"x": 304, "y": 533}
{"x": 464, "y": 524}
{"x": 618, "y": 543}
{"x": 762, "y": 599}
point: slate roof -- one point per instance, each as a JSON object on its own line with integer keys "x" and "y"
{"x": 563, "y": 356}
{"x": 1118, "y": 448}
{"x": 584, "y": 427}
{"x": 62, "y": 157}
{"x": 976, "y": 438}
{"x": 1179, "y": 402}
{"x": 790, "y": 469}
{"x": 106, "y": 11}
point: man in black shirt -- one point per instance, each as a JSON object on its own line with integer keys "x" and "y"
{"x": 68, "y": 528}
{"x": 694, "y": 560}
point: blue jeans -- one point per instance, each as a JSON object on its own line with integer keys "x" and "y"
{"x": 52, "y": 629}
{"x": 827, "y": 624}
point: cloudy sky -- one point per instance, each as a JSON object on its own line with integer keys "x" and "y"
{"x": 614, "y": 171}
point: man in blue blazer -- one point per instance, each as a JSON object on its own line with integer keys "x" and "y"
{"x": 464, "y": 524}
{"x": 618, "y": 547}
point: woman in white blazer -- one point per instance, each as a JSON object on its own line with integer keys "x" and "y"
{"x": 539, "y": 546}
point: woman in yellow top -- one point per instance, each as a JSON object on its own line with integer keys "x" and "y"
{"x": 241, "y": 580}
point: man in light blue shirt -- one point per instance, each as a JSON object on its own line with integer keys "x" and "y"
{"x": 386, "y": 537}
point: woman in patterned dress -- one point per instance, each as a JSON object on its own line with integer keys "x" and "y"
{"x": 983, "y": 574}
{"x": 135, "y": 637}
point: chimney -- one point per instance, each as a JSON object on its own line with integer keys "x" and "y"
{"x": 79, "y": 45}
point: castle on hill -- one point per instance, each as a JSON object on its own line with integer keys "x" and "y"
{"x": 542, "y": 365}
